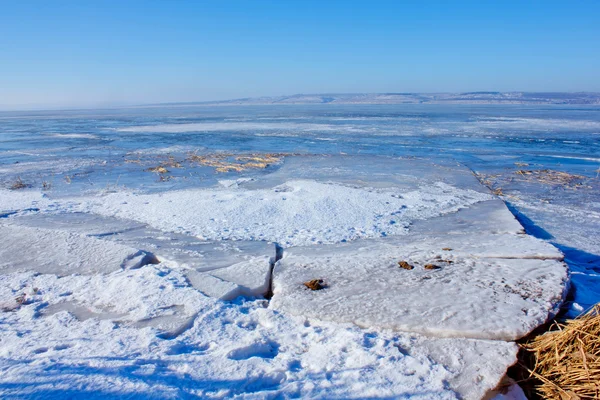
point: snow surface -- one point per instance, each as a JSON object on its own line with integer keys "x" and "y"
{"x": 221, "y": 350}
{"x": 80, "y": 322}
{"x": 485, "y": 298}
{"x": 299, "y": 212}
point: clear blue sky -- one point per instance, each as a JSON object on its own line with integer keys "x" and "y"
{"x": 87, "y": 52}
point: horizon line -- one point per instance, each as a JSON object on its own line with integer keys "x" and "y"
{"x": 231, "y": 101}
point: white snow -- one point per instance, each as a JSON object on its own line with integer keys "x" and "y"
{"x": 13, "y": 201}
{"x": 248, "y": 278}
{"x": 219, "y": 350}
{"x": 485, "y": 298}
{"x": 77, "y": 321}
{"x": 295, "y": 213}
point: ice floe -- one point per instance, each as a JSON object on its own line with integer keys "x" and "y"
{"x": 51, "y": 251}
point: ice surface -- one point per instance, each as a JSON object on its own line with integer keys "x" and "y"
{"x": 51, "y": 251}
{"x": 219, "y": 349}
{"x": 507, "y": 283}
{"x": 139, "y": 332}
{"x": 253, "y": 277}
{"x": 404, "y": 174}
{"x": 486, "y": 298}
{"x": 298, "y": 212}
{"x": 487, "y": 217}
{"x": 181, "y": 249}
{"x": 250, "y": 278}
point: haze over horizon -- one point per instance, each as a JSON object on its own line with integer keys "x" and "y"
{"x": 86, "y": 54}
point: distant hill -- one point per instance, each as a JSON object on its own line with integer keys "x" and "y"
{"x": 417, "y": 98}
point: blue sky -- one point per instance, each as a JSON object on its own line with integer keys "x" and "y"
{"x": 87, "y": 52}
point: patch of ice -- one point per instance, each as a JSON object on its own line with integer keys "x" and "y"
{"x": 51, "y": 251}
{"x": 221, "y": 349}
{"x": 464, "y": 294}
{"x": 298, "y": 213}
{"x": 73, "y": 135}
{"x": 230, "y": 126}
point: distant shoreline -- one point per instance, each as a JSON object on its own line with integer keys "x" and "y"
{"x": 465, "y": 98}
{"x": 475, "y": 98}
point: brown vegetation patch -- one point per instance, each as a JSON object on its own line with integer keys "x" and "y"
{"x": 225, "y": 162}
{"x": 405, "y": 265}
{"x": 18, "y": 184}
{"x": 431, "y": 266}
{"x": 158, "y": 169}
{"x": 551, "y": 177}
{"x": 564, "y": 363}
{"x": 315, "y": 284}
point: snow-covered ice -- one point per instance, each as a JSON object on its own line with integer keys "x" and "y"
{"x": 463, "y": 296}
{"x": 51, "y": 251}
{"x": 219, "y": 349}
{"x": 294, "y": 213}
{"x": 119, "y": 282}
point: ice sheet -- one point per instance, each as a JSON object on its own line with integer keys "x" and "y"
{"x": 51, "y": 251}
{"x": 183, "y": 250}
{"x": 501, "y": 299}
{"x": 298, "y": 212}
{"x": 147, "y": 331}
{"x": 220, "y": 350}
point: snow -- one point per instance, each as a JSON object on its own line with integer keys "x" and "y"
{"x": 299, "y": 212}
{"x": 220, "y": 349}
{"x": 12, "y": 202}
{"x": 491, "y": 298}
{"x": 249, "y": 278}
{"x": 254, "y": 277}
{"x": 182, "y": 250}
{"x": 142, "y": 293}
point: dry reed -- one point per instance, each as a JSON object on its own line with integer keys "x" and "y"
{"x": 565, "y": 362}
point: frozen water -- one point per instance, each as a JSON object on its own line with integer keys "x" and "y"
{"x": 463, "y": 296}
{"x": 51, "y": 251}
{"x": 294, "y": 213}
{"x": 388, "y": 179}
{"x": 507, "y": 283}
{"x": 148, "y": 331}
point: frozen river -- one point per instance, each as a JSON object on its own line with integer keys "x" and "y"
{"x": 83, "y": 151}
{"x": 163, "y": 250}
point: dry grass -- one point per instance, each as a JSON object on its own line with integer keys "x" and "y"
{"x": 315, "y": 284}
{"x": 225, "y": 162}
{"x": 500, "y": 183}
{"x": 221, "y": 162}
{"x": 564, "y": 363}
{"x": 158, "y": 169}
{"x": 551, "y": 177}
{"x": 405, "y": 265}
{"x": 18, "y": 184}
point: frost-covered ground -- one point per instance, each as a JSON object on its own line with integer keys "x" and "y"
{"x": 162, "y": 252}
